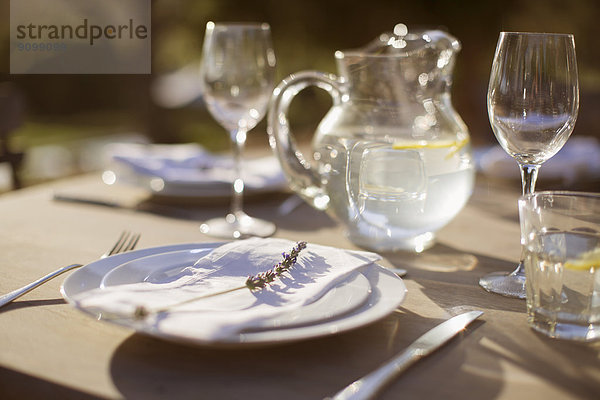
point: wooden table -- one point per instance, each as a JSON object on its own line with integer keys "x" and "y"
{"x": 50, "y": 350}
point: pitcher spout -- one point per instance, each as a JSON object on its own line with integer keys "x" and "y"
{"x": 400, "y": 67}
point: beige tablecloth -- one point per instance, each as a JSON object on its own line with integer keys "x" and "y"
{"x": 50, "y": 350}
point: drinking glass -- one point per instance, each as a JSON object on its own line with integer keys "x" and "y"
{"x": 532, "y": 100}
{"x": 560, "y": 232}
{"x": 238, "y": 72}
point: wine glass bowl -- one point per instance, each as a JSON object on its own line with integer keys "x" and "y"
{"x": 238, "y": 73}
{"x": 532, "y": 101}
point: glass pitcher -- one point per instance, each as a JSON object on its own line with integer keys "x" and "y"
{"x": 391, "y": 159}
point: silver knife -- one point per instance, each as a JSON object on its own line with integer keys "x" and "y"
{"x": 368, "y": 386}
{"x": 86, "y": 200}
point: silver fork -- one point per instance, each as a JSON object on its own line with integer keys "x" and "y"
{"x": 127, "y": 241}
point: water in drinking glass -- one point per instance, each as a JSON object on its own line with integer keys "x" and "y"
{"x": 564, "y": 285}
{"x": 561, "y": 238}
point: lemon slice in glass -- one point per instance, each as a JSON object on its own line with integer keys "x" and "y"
{"x": 453, "y": 144}
{"x": 585, "y": 261}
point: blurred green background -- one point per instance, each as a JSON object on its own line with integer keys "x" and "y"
{"x": 75, "y": 108}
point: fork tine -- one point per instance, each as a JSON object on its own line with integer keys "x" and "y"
{"x": 133, "y": 241}
{"x": 119, "y": 244}
{"x": 126, "y": 242}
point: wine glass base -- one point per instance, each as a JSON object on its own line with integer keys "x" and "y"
{"x": 504, "y": 283}
{"x": 237, "y": 226}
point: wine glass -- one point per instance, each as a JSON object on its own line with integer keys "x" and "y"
{"x": 532, "y": 100}
{"x": 238, "y": 72}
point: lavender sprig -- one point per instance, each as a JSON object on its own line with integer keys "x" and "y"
{"x": 256, "y": 282}
{"x": 263, "y": 279}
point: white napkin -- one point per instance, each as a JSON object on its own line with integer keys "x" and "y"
{"x": 579, "y": 157}
{"x": 317, "y": 269}
{"x": 191, "y": 163}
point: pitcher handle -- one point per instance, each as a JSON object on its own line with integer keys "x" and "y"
{"x": 302, "y": 177}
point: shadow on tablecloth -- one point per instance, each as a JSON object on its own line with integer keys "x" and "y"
{"x": 149, "y": 368}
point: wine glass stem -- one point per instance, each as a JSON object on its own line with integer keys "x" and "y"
{"x": 238, "y": 138}
{"x": 529, "y": 174}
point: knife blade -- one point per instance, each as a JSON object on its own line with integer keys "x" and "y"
{"x": 86, "y": 200}
{"x": 368, "y": 386}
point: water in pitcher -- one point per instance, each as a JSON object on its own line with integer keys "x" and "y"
{"x": 396, "y": 194}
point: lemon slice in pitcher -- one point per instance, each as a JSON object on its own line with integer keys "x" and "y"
{"x": 585, "y": 261}
{"x": 454, "y": 145}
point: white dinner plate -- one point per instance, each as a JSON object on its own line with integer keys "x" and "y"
{"x": 162, "y": 268}
{"x": 387, "y": 292}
